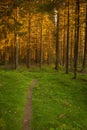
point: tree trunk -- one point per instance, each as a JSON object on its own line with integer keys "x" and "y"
{"x": 64, "y": 48}
{"x": 76, "y": 38}
{"x": 6, "y": 51}
{"x": 57, "y": 43}
{"x": 67, "y": 46}
{"x": 12, "y": 55}
{"x": 49, "y": 58}
{"x": 16, "y": 52}
{"x": 28, "y": 45}
{"x": 85, "y": 45}
{"x": 64, "y": 37}
{"x": 49, "y": 51}
{"x": 16, "y": 43}
{"x": 41, "y": 44}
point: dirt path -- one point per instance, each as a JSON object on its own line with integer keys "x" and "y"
{"x": 28, "y": 108}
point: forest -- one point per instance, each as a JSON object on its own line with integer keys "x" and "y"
{"x": 44, "y": 32}
{"x": 43, "y": 50}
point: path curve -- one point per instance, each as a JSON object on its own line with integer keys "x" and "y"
{"x": 28, "y": 107}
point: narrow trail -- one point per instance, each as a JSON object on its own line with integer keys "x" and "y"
{"x": 28, "y": 108}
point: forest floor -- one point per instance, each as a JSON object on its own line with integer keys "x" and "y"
{"x": 58, "y": 101}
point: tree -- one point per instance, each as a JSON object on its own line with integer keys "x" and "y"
{"x": 41, "y": 42}
{"x": 85, "y": 44}
{"x": 67, "y": 46}
{"x": 16, "y": 42}
{"x": 76, "y": 38}
{"x": 29, "y": 34}
{"x": 57, "y": 42}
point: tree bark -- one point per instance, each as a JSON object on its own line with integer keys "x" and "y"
{"x": 41, "y": 44}
{"x": 16, "y": 43}
{"x": 67, "y": 46}
{"x": 76, "y": 38}
{"x": 85, "y": 44}
{"x": 16, "y": 52}
{"x": 57, "y": 43}
{"x": 28, "y": 45}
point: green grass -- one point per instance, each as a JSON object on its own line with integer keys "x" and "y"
{"x": 59, "y": 102}
{"x": 13, "y": 91}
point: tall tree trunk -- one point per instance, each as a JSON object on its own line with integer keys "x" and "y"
{"x": 76, "y": 38}
{"x": 5, "y": 53}
{"x": 49, "y": 58}
{"x": 67, "y": 46}
{"x": 29, "y": 35}
{"x": 57, "y": 43}
{"x": 12, "y": 55}
{"x": 28, "y": 45}
{"x": 85, "y": 44}
{"x": 64, "y": 48}
{"x": 16, "y": 42}
{"x": 41, "y": 44}
{"x": 71, "y": 53}
{"x": 36, "y": 52}
{"x": 36, "y": 55}
{"x": 64, "y": 37}
{"x": 16, "y": 52}
{"x": 49, "y": 51}
{"x": 6, "y": 41}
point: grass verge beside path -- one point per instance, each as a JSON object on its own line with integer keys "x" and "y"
{"x": 59, "y": 102}
{"x": 13, "y": 92}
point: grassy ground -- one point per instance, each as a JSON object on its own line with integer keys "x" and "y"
{"x": 13, "y": 90}
{"x": 59, "y": 102}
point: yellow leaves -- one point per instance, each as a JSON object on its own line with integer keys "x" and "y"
{"x": 11, "y": 21}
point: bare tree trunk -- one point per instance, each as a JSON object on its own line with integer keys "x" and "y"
{"x": 28, "y": 45}
{"x": 85, "y": 45}
{"x": 6, "y": 42}
{"x": 67, "y": 46}
{"x": 64, "y": 49}
{"x": 49, "y": 51}
{"x": 57, "y": 43}
{"x": 29, "y": 35}
{"x": 36, "y": 52}
{"x": 64, "y": 44}
{"x": 76, "y": 38}
{"x": 12, "y": 55}
{"x": 71, "y": 55}
{"x": 49, "y": 58}
{"x": 16, "y": 52}
{"x": 71, "y": 50}
{"x": 5, "y": 53}
{"x": 16, "y": 43}
{"x": 41, "y": 44}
